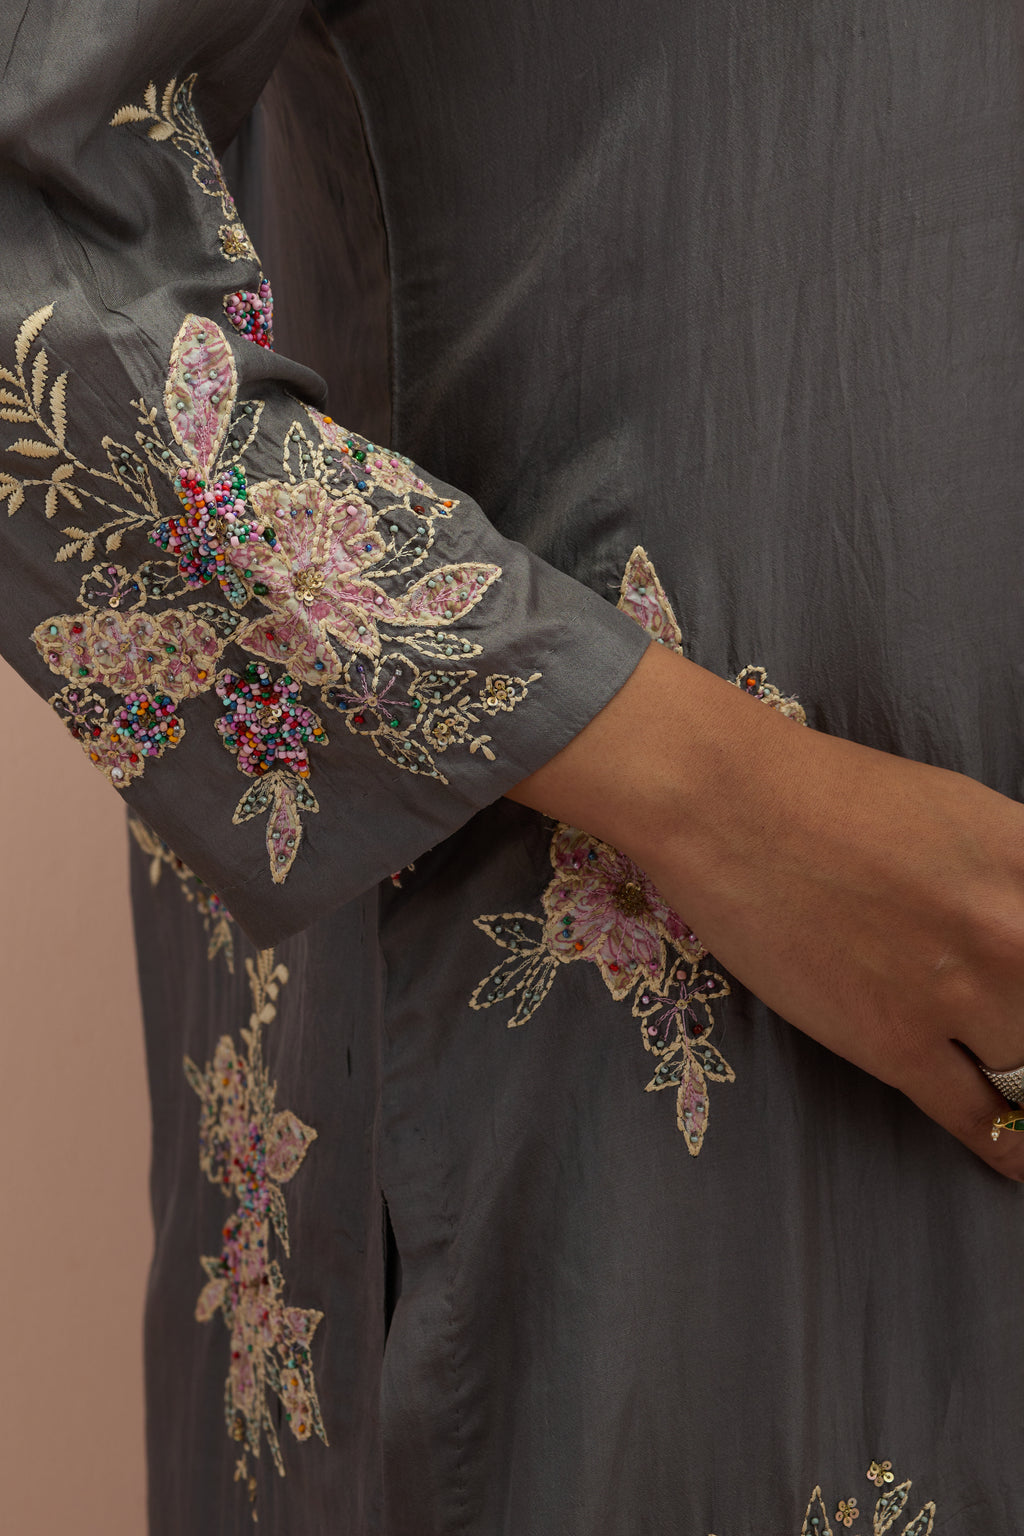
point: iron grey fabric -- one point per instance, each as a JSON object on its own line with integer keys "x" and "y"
{"x": 121, "y": 237}
{"x": 739, "y": 283}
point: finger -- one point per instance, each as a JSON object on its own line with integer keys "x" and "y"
{"x": 954, "y": 1093}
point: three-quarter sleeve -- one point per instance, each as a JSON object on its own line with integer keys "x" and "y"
{"x": 297, "y": 655}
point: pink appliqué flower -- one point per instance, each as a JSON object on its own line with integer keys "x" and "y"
{"x": 602, "y": 907}
{"x": 311, "y": 581}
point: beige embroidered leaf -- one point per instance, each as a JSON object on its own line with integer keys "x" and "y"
{"x": 58, "y": 407}
{"x": 62, "y": 472}
{"x": 129, "y": 114}
{"x": 8, "y": 413}
{"x": 69, "y": 493}
{"x": 65, "y": 552}
{"x": 39, "y": 368}
{"x": 150, "y": 96}
{"x": 12, "y": 492}
{"x": 114, "y": 540}
{"x": 922, "y": 1524}
{"x": 28, "y": 332}
{"x": 889, "y": 1507}
{"x": 7, "y": 397}
{"x": 816, "y": 1513}
{"x": 167, "y": 104}
{"x": 50, "y": 507}
{"x": 33, "y": 450}
{"x": 162, "y": 131}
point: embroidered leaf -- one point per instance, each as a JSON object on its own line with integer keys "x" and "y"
{"x": 167, "y": 104}
{"x": 200, "y": 390}
{"x": 129, "y": 115}
{"x": 65, "y": 552}
{"x": 711, "y": 1062}
{"x": 299, "y": 461}
{"x": 278, "y": 1213}
{"x": 68, "y": 492}
{"x": 8, "y": 413}
{"x": 254, "y": 802}
{"x": 406, "y": 753}
{"x": 287, "y": 1142}
{"x": 150, "y": 96}
{"x": 62, "y": 472}
{"x": 284, "y": 830}
{"x": 440, "y": 645}
{"x": 221, "y": 620}
{"x": 816, "y": 1520}
{"x": 922, "y": 1524}
{"x": 526, "y": 978}
{"x": 11, "y": 491}
{"x": 50, "y": 506}
{"x": 39, "y": 368}
{"x": 507, "y": 929}
{"x": 692, "y": 1106}
{"x": 162, "y": 131}
{"x": 34, "y": 450}
{"x": 643, "y": 597}
{"x": 890, "y": 1506}
{"x": 28, "y": 332}
{"x": 447, "y": 594}
{"x": 8, "y": 398}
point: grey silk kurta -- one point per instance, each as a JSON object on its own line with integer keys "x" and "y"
{"x": 715, "y": 308}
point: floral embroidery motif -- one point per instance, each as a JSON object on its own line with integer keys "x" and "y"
{"x": 337, "y": 558}
{"x": 601, "y": 907}
{"x": 887, "y": 1511}
{"x": 250, "y": 1149}
{"x": 215, "y": 915}
{"x": 880, "y": 1472}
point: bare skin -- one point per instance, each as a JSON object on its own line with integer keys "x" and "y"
{"x": 875, "y": 903}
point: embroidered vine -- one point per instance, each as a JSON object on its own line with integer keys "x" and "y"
{"x": 600, "y": 907}
{"x": 216, "y": 917}
{"x": 328, "y": 576}
{"x": 889, "y": 1508}
{"x": 250, "y": 1149}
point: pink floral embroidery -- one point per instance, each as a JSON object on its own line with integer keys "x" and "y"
{"x": 601, "y": 907}
{"x": 250, "y": 1149}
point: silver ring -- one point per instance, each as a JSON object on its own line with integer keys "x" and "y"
{"x": 1010, "y": 1084}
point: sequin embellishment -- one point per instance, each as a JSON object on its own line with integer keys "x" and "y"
{"x": 601, "y": 907}
{"x": 250, "y": 1149}
{"x": 888, "y": 1510}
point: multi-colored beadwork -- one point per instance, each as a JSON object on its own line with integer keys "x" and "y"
{"x": 217, "y": 520}
{"x": 601, "y": 907}
{"x": 252, "y": 314}
{"x": 249, "y": 1149}
{"x": 265, "y": 724}
{"x": 337, "y": 561}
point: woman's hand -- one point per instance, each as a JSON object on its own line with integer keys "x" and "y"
{"x": 875, "y": 903}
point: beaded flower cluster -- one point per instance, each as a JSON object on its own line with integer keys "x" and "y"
{"x": 330, "y": 572}
{"x": 216, "y": 520}
{"x": 252, "y": 313}
{"x": 265, "y": 724}
{"x": 601, "y": 907}
{"x": 249, "y": 1149}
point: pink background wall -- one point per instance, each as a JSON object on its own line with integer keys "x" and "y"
{"x": 73, "y": 1142}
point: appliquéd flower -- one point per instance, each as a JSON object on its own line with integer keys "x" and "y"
{"x": 599, "y": 906}
{"x": 250, "y": 1149}
{"x": 317, "y": 581}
